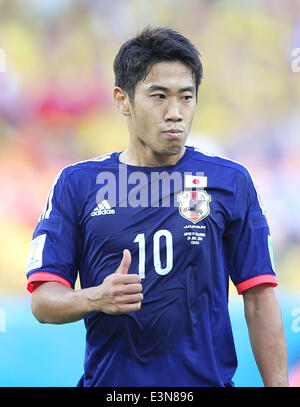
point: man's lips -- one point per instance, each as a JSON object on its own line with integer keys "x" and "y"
{"x": 173, "y": 133}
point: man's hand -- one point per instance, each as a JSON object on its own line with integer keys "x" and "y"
{"x": 119, "y": 292}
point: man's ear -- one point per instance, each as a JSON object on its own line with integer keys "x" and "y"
{"x": 122, "y": 101}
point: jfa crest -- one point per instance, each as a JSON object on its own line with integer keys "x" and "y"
{"x": 194, "y": 205}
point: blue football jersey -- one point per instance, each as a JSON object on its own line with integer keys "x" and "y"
{"x": 190, "y": 227}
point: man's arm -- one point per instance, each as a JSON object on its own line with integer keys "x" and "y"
{"x": 267, "y": 337}
{"x": 119, "y": 292}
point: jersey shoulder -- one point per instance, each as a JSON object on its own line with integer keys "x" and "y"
{"x": 220, "y": 161}
{"x": 69, "y": 179}
{"x": 100, "y": 163}
{"x": 82, "y": 169}
{"x": 239, "y": 171}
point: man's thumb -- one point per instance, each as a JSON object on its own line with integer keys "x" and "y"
{"x": 125, "y": 263}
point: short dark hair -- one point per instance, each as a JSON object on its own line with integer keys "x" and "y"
{"x": 137, "y": 56}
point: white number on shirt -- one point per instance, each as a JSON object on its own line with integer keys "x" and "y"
{"x": 140, "y": 239}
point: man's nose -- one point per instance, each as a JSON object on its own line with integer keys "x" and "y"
{"x": 173, "y": 111}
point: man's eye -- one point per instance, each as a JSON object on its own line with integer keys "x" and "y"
{"x": 187, "y": 97}
{"x": 159, "y": 96}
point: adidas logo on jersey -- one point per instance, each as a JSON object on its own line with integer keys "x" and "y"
{"x": 103, "y": 208}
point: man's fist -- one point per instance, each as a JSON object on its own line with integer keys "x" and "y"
{"x": 119, "y": 292}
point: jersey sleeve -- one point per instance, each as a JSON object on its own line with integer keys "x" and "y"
{"x": 55, "y": 246}
{"x": 247, "y": 239}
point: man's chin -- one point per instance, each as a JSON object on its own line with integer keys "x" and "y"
{"x": 173, "y": 150}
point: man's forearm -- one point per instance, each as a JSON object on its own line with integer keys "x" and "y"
{"x": 55, "y": 303}
{"x": 267, "y": 336}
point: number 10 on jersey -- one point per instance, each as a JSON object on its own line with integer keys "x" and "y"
{"x": 157, "y": 238}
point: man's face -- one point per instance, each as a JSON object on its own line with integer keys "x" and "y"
{"x": 163, "y": 108}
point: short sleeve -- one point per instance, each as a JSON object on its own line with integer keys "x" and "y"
{"x": 247, "y": 239}
{"x": 55, "y": 246}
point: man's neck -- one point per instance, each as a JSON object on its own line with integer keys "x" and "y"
{"x": 133, "y": 157}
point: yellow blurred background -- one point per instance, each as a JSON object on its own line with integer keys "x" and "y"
{"x": 56, "y": 104}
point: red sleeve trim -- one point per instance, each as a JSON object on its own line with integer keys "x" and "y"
{"x": 263, "y": 279}
{"x": 35, "y": 279}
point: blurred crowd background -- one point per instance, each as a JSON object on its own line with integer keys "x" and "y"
{"x": 56, "y": 108}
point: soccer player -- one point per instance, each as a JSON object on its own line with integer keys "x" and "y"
{"x": 155, "y": 233}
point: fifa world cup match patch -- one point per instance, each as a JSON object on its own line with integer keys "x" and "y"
{"x": 35, "y": 256}
{"x": 270, "y": 246}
